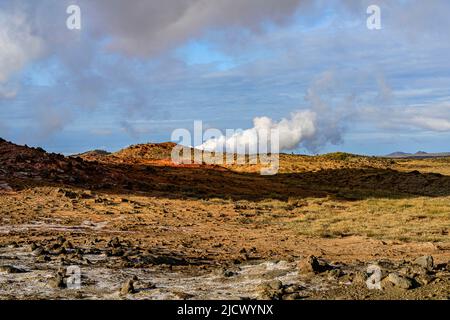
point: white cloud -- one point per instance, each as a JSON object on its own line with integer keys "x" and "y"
{"x": 430, "y": 123}
{"x": 18, "y": 46}
{"x": 7, "y": 92}
{"x": 151, "y": 27}
{"x": 434, "y": 118}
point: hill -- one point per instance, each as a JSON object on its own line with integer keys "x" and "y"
{"x": 419, "y": 154}
{"x": 26, "y": 165}
{"x": 149, "y": 151}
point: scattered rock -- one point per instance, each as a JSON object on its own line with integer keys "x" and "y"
{"x": 39, "y": 251}
{"x": 114, "y": 242}
{"x": 69, "y": 194}
{"x": 292, "y": 288}
{"x": 60, "y": 240}
{"x": 167, "y": 260}
{"x": 67, "y": 245}
{"x": 58, "y": 282}
{"x": 276, "y": 273}
{"x": 11, "y": 269}
{"x": 127, "y": 287}
{"x": 43, "y": 258}
{"x": 425, "y": 279}
{"x": 182, "y": 295}
{"x": 425, "y": 262}
{"x": 275, "y": 284}
{"x": 272, "y": 290}
{"x": 292, "y": 296}
{"x": 334, "y": 273}
{"x": 33, "y": 246}
{"x": 414, "y": 271}
{"x": 400, "y": 282}
{"x": 59, "y": 251}
{"x": 229, "y": 273}
{"x": 87, "y": 195}
{"x": 360, "y": 277}
{"x": 312, "y": 265}
{"x": 116, "y": 252}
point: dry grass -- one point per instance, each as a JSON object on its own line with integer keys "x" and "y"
{"x": 381, "y": 216}
{"x": 387, "y": 209}
{"x": 368, "y": 196}
{"x": 415, "y": 219}
{"x": 438, "y": 165}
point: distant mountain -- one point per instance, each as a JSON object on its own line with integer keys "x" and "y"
{"x": 419, "y": 154}
{"x": 398, "y": 154}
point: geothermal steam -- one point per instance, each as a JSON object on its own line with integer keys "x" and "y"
{"x": 301, "y": 126}
{"x": 321, "y": 123}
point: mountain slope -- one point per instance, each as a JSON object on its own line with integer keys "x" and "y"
{"x": 419, "y": 154}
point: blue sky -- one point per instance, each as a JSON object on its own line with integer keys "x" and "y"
{"x": 139, "y": 69}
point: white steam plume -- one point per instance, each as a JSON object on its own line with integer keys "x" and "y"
{"x": 321, "y": 123}
{"x": 301, "y": 126}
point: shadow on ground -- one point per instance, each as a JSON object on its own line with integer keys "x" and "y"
{"x": 209, "y": 182}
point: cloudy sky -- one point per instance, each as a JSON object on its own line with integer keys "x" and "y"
{"x": 139, "y": 69}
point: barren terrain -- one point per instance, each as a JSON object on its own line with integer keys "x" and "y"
{"x": 139, "y": 227}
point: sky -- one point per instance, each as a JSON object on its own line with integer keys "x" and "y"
{"x": 139, "y": 69}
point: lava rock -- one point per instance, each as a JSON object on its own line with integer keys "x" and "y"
{"x": 334, "y": 273}
{"x": 292, "y": 296}
{"x": 292, "y": 288}
{"x": 360, "y": 277}
{"x": 116, "y": 252}
{"x": 127, "y": 287}
{"x": 426, "y": 262}
{"x": 425, "y": 279}
{"x": 11, "y": 269}
{"x": 228, "y": 273}
{"x": 60, "y": 240}
{"x": 39, "y": 251}
{"x": 33, "y": 246}
{"x": 400, "y": 282}
{"x": 414, "y": 271}
{"x": 57, "y": 282}
{"x": 312, "y": 265}
{"x": 43, "y": 258}
{"x": 114, "y": 242}
{"x": 272, "y": 290}
{"x": 67, "y": 245}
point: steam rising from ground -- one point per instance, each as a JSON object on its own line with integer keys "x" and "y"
{"x": 321, "y": 123}
{"x": 299, "y": 127}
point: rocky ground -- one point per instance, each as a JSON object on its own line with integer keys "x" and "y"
{"x": 138, "y": 247}
{"x": 116, "y": 270}
{"x": 147, "y": 230}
